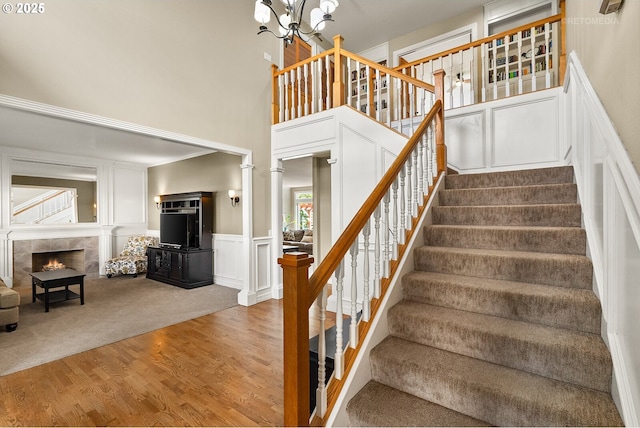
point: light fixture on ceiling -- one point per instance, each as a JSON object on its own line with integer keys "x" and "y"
{"x": 289, "y": 23}
{"x": 234, "y": 198}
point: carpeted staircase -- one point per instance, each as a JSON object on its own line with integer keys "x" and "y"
{"x": 499, "y": 324}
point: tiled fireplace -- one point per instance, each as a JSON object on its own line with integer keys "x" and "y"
{"x": 81, "y": 254}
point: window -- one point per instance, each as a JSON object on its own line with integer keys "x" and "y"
{"x": 303, "y": 208}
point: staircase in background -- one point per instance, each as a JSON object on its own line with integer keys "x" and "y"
{"x": 499, "y": 324}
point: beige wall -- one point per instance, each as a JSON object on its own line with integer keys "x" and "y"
{"x": 474, "y": 16}
{"x": 608, "y": 47}
{"x": 194, "y": 67}
{"x": 217, "y": 173}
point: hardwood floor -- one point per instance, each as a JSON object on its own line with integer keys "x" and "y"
{"x": 223, "y": 369}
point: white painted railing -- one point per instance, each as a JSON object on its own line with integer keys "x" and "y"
{"x": 44, "y": 207}
{"x": 522, "y": 60}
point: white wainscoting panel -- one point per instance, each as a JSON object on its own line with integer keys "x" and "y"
{"x": 227, "y": 257}
{"x": 526, "y": 133}
{"x": 518, "y": 132}
{"x": 129, "y": 195}
{"x": 468, "y": 130}
{"x": 609, "y": 192}
{"x": 262, "y": 276}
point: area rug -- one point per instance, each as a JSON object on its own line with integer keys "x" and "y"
{"x": 114, "y": 309}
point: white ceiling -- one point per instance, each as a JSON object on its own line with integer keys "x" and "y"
{"x": 362, "y": 23}
{"x": 33, "y": 131}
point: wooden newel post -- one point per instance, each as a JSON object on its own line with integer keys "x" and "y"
{"x": 441, "y": 149}
{"x": 295, "y": 276}
{"x": 338, "y": 83}
{"x": 275, "y": 99}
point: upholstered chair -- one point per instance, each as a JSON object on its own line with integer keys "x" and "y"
{"x": 133, "y": 258}
{"x": 9, "y": 307}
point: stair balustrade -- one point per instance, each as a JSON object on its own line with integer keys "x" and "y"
{"x": 480, "y": 71}
{"x": 338, "y": 77}
{"x": 524, "y": 59}
{"x": 378, "y": 231}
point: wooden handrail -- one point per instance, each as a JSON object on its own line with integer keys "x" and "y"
{"x": 331, "y": 261}
{"x": 300, "y": 291}
{"x": 550, "y": 19}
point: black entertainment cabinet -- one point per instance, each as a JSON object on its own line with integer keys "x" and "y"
{"x": 184, "y": 256}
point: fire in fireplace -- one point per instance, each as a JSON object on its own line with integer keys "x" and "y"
{"x": 53, "y": 265}
{"x": 54, "y": 260}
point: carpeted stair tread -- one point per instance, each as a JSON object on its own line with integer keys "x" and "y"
{"x": 562, "y": 240}
{"x": 572, "y": 308}
{"x": 490, "y": 392}
{"x": 553, "y": 175}
{"x": 512, "y": 195}
{"x": 562, "y": 270}
{"x": 566, "y": 355}
{"x": 558, "y": 215}
{"x": 382, "y": 406}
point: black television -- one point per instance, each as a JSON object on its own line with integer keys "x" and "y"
{"x": 178, "y": 229}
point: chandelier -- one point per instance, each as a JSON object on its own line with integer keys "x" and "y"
{"x": 289, "y": 23}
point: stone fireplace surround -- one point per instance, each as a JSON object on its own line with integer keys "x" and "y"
{"x": 23, "y": 251}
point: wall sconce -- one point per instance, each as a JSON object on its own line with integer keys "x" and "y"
{"x": 234, "y": 198}
{"x": 156, "y": 199}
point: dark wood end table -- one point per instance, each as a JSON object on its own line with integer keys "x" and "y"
{"x": 57, "y": 279}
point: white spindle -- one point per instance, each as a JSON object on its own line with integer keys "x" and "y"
{"x": 412, "y": 107}
{"x": 547, "y": 74}
{"x": 319, "y": 86}
{"x": 532, "y": 64}
{"x": 473, "y": 75}
{"x": 286, "y": 96}
{"x": 409, "y": 193}
{"x": 520, "y": 81}
{"x": 353, "y": 326}
{"x": 338, "y": 364}
{"x": 507, "y": 84}
{"x": 366, "y": 299}
{"x": 403, "y": 205}
{"x": 432, "y": 158}
{"x": 394, "y": 247}
{"x": 494, "y": 47}
{"x": 461, "y": 87}
{"x": 416, "y": 173}
{"x": 387, "y": 240}
{"x": 421, "y": 170}
{"x": 359, "y": 91}
{"x": 399, "y": 103}
{"x": 376, "y": 256}
{"x": 283, "y": 90}
{"x": 351, "y": 81}
{"x": 483, "y": 73}
{"x": 368, "y": 91}
{"x": 321, "y": 390}
{"x": 306, "y": 89}
{"x": 327, "y": 68}
{"x": 378, "y": 102}
{"x": 451, "y": 80}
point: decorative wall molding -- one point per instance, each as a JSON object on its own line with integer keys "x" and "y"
{"x": 227, "y": 257}
{"x": 609, "y": 192}
{"x": 507, "y": 134}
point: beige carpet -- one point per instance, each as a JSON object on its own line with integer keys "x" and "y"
{"x": 114, "y": 309}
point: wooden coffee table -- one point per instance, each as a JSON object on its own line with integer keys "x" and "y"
{"x": 57, "y": 279}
